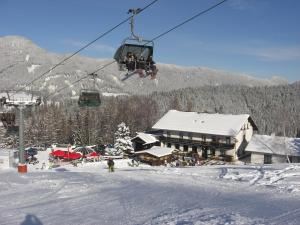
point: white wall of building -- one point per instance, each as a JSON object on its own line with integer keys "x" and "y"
{"x": 257, "y": 158}
{"x": 247, "y": 132}
{"x": 279, "y": 159}
{"x": 8, "y": 159}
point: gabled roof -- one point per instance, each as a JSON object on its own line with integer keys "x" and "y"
{"x": 204, "y": 123}
{"x": 274, "y": 145}
{"x": 147, "y": 138}
{"x": 158, "y": 151}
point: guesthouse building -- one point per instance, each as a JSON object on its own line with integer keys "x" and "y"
{"x": 209, "y": 135}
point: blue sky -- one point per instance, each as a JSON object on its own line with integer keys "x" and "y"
{"x": 256, "y": 37}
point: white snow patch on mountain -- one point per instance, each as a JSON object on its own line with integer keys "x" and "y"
{"x": 113, "y": 94}
{"x": 31, "y": 68}
{"x": 53, "y": 77}
{"x": 52, "y": 88}
{"x": 67, "y": 82}
{"x": 74, "y": 93}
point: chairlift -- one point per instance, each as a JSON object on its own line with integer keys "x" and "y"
{"x": 89, "y": 97}
{"x": 8, "y": 119}
{"x": 141, "y": 51}
{"x": 2, "y": 101}
{"x": 135, "y": 53}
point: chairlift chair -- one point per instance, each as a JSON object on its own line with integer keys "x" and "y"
{"x": 89, "y": 98}
{"x": 142, "y": 50}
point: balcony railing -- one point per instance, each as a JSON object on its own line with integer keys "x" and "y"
{"x": 192, "y": 142}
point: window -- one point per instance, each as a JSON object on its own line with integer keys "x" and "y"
{"x": 267, "y": 159}
{"x": 168, "y": 134}
{"x": 169, "y": 145}
{"x": 222, "y": 152}
{"x": 214, "y": 139}
{"x": 177, "y": 146}
{"x": 185, "y": 148}
{"x": 194, "y": 149}
{"x": 228, "y": 141}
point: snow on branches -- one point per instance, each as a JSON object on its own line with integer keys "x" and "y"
{"x": 122, "y": 139}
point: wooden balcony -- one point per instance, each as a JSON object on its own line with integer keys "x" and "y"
{"x": 191, "y": 142}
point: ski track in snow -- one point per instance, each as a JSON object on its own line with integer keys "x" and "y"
{"x": 206, "y": 195}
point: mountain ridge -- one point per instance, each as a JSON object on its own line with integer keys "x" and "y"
{"x": 21, "y": 61}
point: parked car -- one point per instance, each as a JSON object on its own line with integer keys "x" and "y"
{"x": 31, "y": 151}
{"x": 40, "y": 148}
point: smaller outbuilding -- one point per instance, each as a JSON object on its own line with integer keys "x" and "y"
{"x": 156, "y": 155}
{"x": 264, "y": 149}
{"x": 143, "y": 141}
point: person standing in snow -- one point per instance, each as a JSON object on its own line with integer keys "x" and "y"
{"x": 110, "y": 163}
{"x": 166, "y": 163}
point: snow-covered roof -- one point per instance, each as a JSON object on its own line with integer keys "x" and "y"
{"x": 157, "y": 151}
{"x": 147, "y": 138}
{"x": 204, "y": 123}
{"x": 274, "y": 145}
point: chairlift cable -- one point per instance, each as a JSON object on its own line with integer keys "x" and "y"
{"x": 188, "y": 20}
{"x": 84, "y": 47}
{"x": 82, "y": 78}
{"x": 155, "y": 38}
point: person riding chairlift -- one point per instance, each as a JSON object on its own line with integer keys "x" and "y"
{"x": 141, "y": 66}
{"x": 152, "y": 67}
{"x": 130, "y": 61}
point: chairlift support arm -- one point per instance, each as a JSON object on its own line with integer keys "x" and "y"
{"x": 134, "y": 12}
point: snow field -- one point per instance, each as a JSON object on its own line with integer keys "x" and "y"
{"x": 210, "y": 195}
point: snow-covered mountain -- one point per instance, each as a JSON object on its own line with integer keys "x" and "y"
{"x": 21, "y": 61}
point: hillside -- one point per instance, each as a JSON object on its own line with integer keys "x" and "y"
{"x": 21, "y": 61}
{"x": 206, "y": 195}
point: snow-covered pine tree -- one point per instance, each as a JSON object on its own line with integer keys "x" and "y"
{"x": 122, "y": 139}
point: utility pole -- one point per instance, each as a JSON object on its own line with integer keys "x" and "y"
{"x": 21, "y": 105}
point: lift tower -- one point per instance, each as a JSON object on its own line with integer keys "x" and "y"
{"x": 21, "y": 105}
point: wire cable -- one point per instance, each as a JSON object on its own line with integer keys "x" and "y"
{"x": 188, "y": 20}
{"x": 84, "y": 47}
{"x": 155, "y": 38}
{"x": 101, "y": 68}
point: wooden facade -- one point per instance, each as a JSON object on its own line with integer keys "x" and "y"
{"x": 154, "y": 160}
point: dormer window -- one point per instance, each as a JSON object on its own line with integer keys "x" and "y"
{"x": 228, "y": 141}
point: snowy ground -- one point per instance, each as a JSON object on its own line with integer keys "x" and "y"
{"x": 88, "y": 194}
